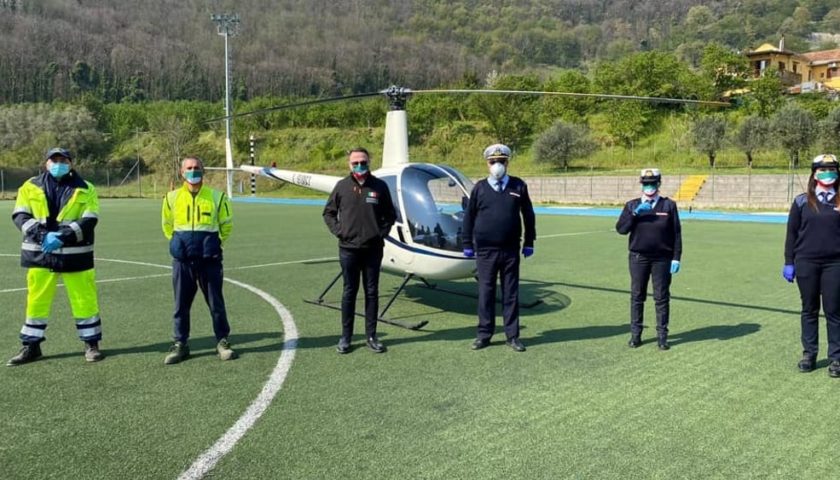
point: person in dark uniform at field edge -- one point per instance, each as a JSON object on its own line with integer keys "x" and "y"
{"x": 655, "y": 249}
{"x": 492, "y": 232}
{"x": 812, "y": 257}
{"x": 360, "y": 214}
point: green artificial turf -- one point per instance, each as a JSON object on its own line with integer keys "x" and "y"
{"x": 725, "y": 402}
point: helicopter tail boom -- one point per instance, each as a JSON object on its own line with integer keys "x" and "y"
{"x": 314, "y": 181}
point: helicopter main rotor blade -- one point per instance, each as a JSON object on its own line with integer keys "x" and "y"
{"x": 585, "y": 95}
{"x": 299, "y": 104}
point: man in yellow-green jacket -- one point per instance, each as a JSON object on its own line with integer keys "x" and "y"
{"x": 197, "y": 220}
{"x": 57, "y": 212}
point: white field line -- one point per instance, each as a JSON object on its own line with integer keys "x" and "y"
{"x": 225, "y": 444}
{"x": 272, "y": 386}
{"x": 572, "y": 234}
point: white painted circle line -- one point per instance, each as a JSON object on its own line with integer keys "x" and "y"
{"x": 208, "y": 460}
{"x": 225, "y": 444}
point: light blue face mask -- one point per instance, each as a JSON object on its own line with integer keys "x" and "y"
{"x": 193, "y": 176}
{"x": 360, "y": 168}
{"x": 826, "y": 178}
{"x": 649, "y": 189}
{"x": 58, "y": 170}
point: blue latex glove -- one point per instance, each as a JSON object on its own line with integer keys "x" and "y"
{"x": 51, "y": 243}
{"x": 675, "y": 266}
{"x": 642, "y": 207}
{"x": 527, "y": 251}
{"x": 469, "y": 252}
{"x": 789, "y": 273}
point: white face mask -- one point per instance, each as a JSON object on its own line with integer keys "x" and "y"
{"x": 497, "y": 170}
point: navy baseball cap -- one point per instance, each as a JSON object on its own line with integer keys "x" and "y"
{"x": 62, "y": 152}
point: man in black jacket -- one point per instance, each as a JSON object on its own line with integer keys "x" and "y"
{"x": 492, "y": 231}
{"x": 655, "y": 250}
{"x": 360, "y": 213}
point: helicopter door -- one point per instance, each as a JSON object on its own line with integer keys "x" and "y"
{"x": 434, "y": 207}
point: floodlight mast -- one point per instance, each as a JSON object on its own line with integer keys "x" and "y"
{"x": 227, "y": 26}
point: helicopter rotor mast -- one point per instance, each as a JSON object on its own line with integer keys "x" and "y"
{"x": 395, "y": 149}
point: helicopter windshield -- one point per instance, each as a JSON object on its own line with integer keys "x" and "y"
{"x": 434, "y": 204}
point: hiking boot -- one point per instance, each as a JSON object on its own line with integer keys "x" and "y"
{"x": 224, "y": 350}
{"x": 28, "y": 353}
{"x": 92, "y": 353}
{"x": 178, "y": 353}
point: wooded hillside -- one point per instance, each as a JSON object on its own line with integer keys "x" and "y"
{"x": 169, "y": 49}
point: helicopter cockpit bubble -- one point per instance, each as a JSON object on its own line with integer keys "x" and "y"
{"x": 434, "y": 199}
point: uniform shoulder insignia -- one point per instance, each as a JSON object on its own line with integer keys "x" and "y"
{"x": 801, "y": 200}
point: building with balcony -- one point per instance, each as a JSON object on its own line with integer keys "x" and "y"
{"x": 800, "y": 72}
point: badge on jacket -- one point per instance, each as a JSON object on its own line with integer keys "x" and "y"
{"x": 372, "y": 197}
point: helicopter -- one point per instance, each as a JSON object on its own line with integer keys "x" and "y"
{"x": 425, "y": 241}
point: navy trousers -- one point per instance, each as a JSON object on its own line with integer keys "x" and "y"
{"x": 819, "y": 279}
{"x": 499, "y": 263}
{"x": 187, "y": 278}
{"x": 642, "y": 268}
{"x": 365, "y": 262}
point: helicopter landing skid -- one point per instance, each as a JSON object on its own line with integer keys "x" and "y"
{"x": 435, "y": 287}
{"x": 409, "y": 325}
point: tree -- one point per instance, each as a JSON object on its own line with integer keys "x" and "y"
{"x": 84, "y": 78}
{"x": 708, "y": 134}
{"x": 627, "y": 120}
{"x": 830, "y": 131}
{"x": 794, "y": 128}
{"x": 562, "y": 142}
{"x": 726, "y": 69}
{"x": 753, "y": 135}
{"x": 766, "y": 94}
{"x": 174, "y": 134}
{"x": 572, "y": 109}
{"x": 509, "y": 119}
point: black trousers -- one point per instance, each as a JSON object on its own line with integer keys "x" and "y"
{"x": 819, "y": 278}
{"x": 187, "y": 278}
{"x": 495, "y": 263}
{"x": 642, "y": 268}
{"x": 364, "y": 261}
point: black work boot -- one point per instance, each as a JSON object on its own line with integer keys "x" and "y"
{"x": 807, "y": 364}
{"x": 28, "y": 353}
{"x": 635, "y": 340}
{"x": 834, "y": 369}
{"x": 663, "y": 342}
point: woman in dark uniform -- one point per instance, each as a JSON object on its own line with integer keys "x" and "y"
{"x": 812, "y": 257}
{"x": 655, "y": 250}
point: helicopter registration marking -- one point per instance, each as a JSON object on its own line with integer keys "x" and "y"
{"x": 302, "y": 180}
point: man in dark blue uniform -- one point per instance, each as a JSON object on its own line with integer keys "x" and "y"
{"x": 498, "y": 207}
{"x": 360, "y": 214}
{"x": 655, "y": 249}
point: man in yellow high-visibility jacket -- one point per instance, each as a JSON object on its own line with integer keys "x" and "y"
{"x": 57, "y": 212}
{"x": 197, "y": 220}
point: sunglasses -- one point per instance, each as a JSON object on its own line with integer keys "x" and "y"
{"x": 363, "y": 162}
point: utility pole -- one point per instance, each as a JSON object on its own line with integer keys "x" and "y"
{"x": 227, "y": 26}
